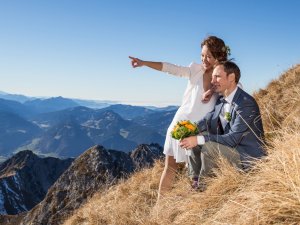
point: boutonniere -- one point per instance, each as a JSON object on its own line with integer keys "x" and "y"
{"x": 227, "y": 116}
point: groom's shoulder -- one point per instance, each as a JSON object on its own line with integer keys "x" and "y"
{"x": 245, "y": 98}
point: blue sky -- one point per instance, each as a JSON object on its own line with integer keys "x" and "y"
{"x": 80, "y": 49}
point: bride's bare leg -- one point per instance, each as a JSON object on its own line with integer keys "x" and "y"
{"x": 168, "y": 175}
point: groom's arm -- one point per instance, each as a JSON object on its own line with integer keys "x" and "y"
{"x": 242, "y": 126}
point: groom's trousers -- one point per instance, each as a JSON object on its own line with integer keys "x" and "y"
{"x": 204, "y": 158}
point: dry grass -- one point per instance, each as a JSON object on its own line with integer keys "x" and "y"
{"x": 272, "y": 193}
{"x": 127, "y": 203}
{"x": 279, "y": 102}
{"x": 269, "y": 194}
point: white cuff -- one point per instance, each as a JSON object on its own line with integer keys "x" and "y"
{"x": 200, "y": 140}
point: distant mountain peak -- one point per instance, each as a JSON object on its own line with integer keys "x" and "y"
{"x": 24, "y": 154}
{"x": 145, "y": 155}
{"x": 51, "y": 104}
{"x": 59, "y": 98}
{"x": 17, "y": 162}
{"x": 15, "y": 97}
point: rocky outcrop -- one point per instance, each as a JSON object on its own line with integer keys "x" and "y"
{"x": 96, "y": 169}
{"x": 145, "y": 155}
{"x": 25, "y": 179}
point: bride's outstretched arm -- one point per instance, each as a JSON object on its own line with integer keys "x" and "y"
{"x": 136, "y": 62}
{"x": 180, "y": 71}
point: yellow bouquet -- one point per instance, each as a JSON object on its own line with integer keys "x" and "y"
{"x": 184, "y": 129}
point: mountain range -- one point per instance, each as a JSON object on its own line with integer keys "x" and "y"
{"x": 51, "y": 179}
{"x": 68, "y": 132}
{"x": 61, "y": 127}
{"x": 88, "y": 103}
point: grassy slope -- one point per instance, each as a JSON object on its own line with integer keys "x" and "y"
{"x": 270, "y": 194}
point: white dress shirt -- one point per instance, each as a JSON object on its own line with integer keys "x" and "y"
{"x": 226, "y": 108}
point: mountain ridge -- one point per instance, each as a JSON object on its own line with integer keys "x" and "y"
{"x": 96, "y": 168}
{"x": 25, "y": 179}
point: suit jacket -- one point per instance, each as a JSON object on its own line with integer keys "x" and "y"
{"x": 244, "y": 132}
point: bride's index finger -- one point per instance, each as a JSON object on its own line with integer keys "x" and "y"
{"x": 131, "y": 57}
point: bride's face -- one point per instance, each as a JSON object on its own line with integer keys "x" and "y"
{"x": 207, "y": 59}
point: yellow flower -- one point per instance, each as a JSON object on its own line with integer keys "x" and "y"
{"x": 190, "y": 127}
{"x": 184, "y": 122}
{"x": 183, "y": 129}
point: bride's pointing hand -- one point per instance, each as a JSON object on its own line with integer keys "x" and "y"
{"x": 135, "y": 62}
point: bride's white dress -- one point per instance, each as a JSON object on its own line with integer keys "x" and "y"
{"x": 191, "y": 108}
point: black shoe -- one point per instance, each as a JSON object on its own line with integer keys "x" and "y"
{"x": 194, "y": 184}
{"x": 201, "y": 186}
{"x": 197, "y": 185}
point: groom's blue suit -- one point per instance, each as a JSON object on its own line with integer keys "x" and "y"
{"x": 244, "y": 132}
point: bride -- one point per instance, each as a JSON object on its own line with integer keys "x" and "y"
{"x": 198, "y": 99}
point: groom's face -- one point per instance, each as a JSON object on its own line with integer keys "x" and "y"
{"x": 220, "y": 79}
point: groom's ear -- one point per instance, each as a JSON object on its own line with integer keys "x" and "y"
{"x": 231, "y": 77}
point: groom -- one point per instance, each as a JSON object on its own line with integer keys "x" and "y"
{"x": 233, "y": 130}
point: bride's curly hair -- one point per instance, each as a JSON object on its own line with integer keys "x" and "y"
{"x": 217, "y": 48}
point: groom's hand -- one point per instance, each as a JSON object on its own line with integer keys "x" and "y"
{"x": 189, "y": 142}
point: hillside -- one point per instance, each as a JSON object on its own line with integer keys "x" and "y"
{"x": 280, "y": 101}
{"x": 269, "y": 194}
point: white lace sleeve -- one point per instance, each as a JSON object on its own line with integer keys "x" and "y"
{"x": 180, "y": 71}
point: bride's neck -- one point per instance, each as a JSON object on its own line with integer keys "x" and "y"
{"x": 207, "y": 76}
{"x": 209, "y": 71}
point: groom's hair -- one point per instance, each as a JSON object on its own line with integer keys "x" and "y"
{"x": 231, "y": 67}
